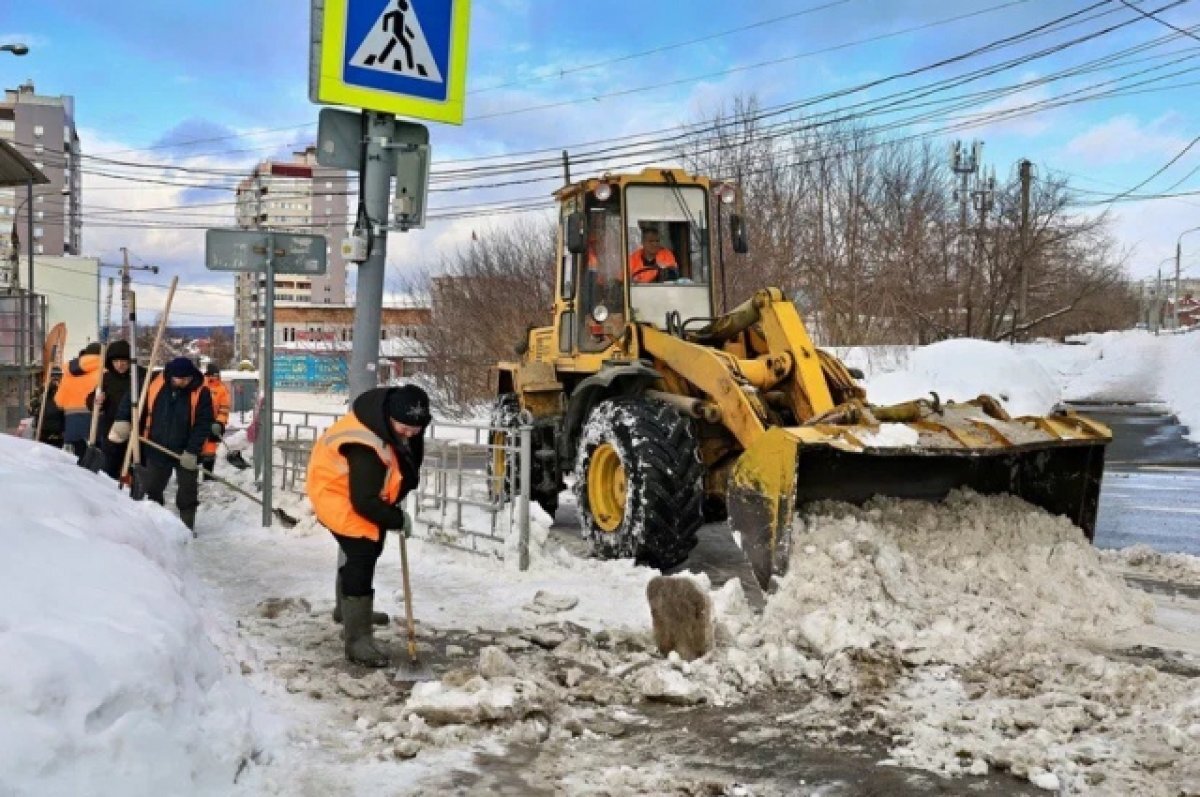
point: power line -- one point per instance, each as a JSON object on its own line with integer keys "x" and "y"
{"x": 1159, "y": 20}
{"x": 662, "y": 49}
{"x": 1164, "y": 167}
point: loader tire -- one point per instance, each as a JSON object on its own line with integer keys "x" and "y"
{"x": 638, "y": 482}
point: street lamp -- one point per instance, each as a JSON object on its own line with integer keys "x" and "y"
{"x": 1178, "y": 257}
{"x": 15, "y": 49}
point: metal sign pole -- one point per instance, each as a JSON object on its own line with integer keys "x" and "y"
{"x": 267, "y": 430}
{"x": 376, "y": 179}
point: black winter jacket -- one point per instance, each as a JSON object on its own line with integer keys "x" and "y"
{"x": 171, "y": 422}
{"x": 115, "y": 388}
{"x": 367, "y": 473}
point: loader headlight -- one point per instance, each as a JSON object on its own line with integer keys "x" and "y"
{"x": 603, "y": 192}
{"x": 599, "y": 314}
{"x": 727, "y": 194}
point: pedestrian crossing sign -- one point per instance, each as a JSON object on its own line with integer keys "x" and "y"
{"x": 407, "y": 57}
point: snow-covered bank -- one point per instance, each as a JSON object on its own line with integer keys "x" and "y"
{"x": 110, "y": 682}
{"x": 1030, "y": 378}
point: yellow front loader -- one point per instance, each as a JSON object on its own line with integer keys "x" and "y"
{"x": 667, "y": 415}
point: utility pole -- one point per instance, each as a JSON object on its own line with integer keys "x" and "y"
{"x": 125, "y": 282}
{"x": 1178, "y": 257}
{"x": 1025, "y": 171}
{"x": 104, "y": 333}
{"x": 983, "y": 197}
{"x": 964, "y": 163}
{"x": 374, "y": 196}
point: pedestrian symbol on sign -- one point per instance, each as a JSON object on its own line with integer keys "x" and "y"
{"x": 397, "y": 45}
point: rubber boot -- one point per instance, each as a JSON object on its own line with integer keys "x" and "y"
{"x": 378, "y": 618}
{"x": 360, "y": 635}
{"x": 188, "y": 516}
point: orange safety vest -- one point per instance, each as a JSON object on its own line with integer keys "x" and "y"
{"x": 221, "y": 405}
{"x": 328, "y": 484}
{"x": 73, "y": 391}
{"x": 156, "y": 385}
{"x": 640, "y": 272}
{"x": 220, "y": 398}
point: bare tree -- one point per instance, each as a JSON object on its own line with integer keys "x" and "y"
{"x": 484, "y": 299}
{"x": 220, "y": 348}
{"x": 864, "y": 235}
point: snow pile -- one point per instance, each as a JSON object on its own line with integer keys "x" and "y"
{"x": 963, "y": 369}
{"x": 973, "y": 635}
{"x": 944, "y": 582}
{"x": 1145, "y": 561}
{"x": 109, "y": 682}
{"x": 1131, "y": 366}
{"x": 1115, "y": 366}
{"x": 1121, "y": 366}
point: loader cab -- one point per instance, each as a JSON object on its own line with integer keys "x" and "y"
{"x": 603, "y": 232}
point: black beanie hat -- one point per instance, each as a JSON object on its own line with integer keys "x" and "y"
{"x": 409, "y": 405}
{"x": 212, "y": 369}
{"x": 118, "y": 350}
{"x": 91, "y": 348}
{"x": 181, "y": 366}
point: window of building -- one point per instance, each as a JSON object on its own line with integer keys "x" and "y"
{"x": 38, "y": 215}
{"x": 329, "y": 183}
{"x": 37, "y": 232}
{"x": 37, "y": 200}
{"x": 38, "y": 130}
{"x": 38, "y": 249}
{"x": 37, "y": 148}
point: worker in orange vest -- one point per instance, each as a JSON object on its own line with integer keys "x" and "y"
{"x": 178, "y": 416}
{"x": 75, "y": 393}
{"x": 221, "y": 406}
{"x": 651, "y": 262}
{"x": 359, "y": 472}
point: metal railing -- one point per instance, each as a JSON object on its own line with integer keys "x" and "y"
{"x": 463, "y": 501}
{"x": 467, "y": 502}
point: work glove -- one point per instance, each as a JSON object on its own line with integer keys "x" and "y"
{"x": 120, "y": 431}
{"x": 218, "y": 430}
{"x": 189, "y": 461}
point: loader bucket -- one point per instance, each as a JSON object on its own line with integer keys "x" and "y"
{"x": 1055, "y": 463}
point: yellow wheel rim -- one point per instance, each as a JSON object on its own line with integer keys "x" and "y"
{"x": 606, "y": 488}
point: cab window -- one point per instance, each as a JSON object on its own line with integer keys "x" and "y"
{"x": 602, "y": 273}
{"x": 667, "y": 234}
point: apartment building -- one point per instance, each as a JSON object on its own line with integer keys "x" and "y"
{"x": 42, "y": 128}
{"x": 290, "y": 196}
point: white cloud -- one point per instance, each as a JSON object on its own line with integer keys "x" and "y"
{"x": 1125, "y": 138}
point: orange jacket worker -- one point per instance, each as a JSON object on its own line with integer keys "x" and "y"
{"x": 360, "y": 470}
{"x": 221, "y": 406}
{"x": 78, "y": 384}
{"x": 650, "y": 262}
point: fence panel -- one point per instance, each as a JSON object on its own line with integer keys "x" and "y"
{"x": 474, "y": 488}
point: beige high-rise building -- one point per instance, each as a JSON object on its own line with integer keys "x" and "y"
{"x": 290, "y": 196}
{"x": 43, "y": 130}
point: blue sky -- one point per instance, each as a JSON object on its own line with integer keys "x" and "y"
{"x": 149, "y": 76}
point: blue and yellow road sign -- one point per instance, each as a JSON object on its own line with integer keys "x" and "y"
{"x": 407, "y": 57}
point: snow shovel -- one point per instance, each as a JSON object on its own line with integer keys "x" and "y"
{"x": 132, "y": 462}
{"x": 51, "y": 355}
{"x": 286, "y": 520}
{"x": 412, "y": 670}
{"x": 92, "y": 457}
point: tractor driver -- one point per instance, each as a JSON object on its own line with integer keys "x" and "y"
{"x": 651, "y": 262}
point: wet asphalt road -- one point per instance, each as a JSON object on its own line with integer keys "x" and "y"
{"x": 1151, "y": 489}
